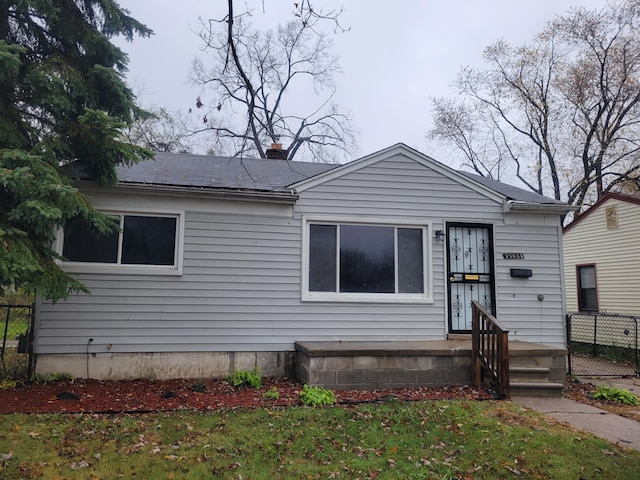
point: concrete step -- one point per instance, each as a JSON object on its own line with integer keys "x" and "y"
{"x": 522, "y": 374}
{"x": 533, "y": 370}
{"x": 536, "y": 389}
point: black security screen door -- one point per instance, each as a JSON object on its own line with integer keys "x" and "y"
{"x": 470, "y": 272}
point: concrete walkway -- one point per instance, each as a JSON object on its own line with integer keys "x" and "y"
{"x": 618, "y": 430}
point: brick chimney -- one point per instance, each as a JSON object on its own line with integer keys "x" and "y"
{"x": 276, "y": 152}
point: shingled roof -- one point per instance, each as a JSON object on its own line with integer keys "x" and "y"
{"x": 512, "y": 193}
{"x": 266, "y": 175}
{"x": 185, "y": 170}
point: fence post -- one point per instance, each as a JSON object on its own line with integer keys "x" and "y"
{"x": 31, "y": 357}
{"x": 568, "y": 327}
{"x": 595, "y": 335}
{"x": 4, "y": 336}
{"x": 637, "y": 355}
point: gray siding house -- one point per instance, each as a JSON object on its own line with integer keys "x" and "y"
{"x": 225, "y": 263}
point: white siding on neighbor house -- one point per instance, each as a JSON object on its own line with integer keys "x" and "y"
{"x": 240, "y": 288}
{"x": 614, "y": 251}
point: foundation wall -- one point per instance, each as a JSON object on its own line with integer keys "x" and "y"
{"x": 164, "y": 366}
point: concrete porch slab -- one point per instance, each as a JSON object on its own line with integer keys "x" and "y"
{"x": 419, "y": 363}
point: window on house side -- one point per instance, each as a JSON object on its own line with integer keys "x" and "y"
{"x": 587, "y": 288}
{"x": 81, "y": 244}
{"x": 355, "y": 259}
{"x": 143, "y": 240}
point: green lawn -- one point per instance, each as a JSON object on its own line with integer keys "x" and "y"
{"x": 19, "y": 319}
{"x": 391, "y": 440}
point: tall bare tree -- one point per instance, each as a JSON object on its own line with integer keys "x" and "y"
{"x": 560, "y": 113}
{"x": 159, "y": 130}
{"x": 252, "y": 76}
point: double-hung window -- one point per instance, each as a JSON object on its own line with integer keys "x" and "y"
{"x": 587, "y": 288}
{"x": 379, "y": 262}
{"x": 145, "y": 243}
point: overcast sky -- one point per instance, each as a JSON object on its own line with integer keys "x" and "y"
{"x": 395, "y": 56}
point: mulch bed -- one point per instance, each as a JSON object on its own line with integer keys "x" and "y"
{"x": 141, "y": 396}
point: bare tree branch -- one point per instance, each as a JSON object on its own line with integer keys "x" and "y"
{"x": 565, "y": 109}
{"x": 251, "y": 78}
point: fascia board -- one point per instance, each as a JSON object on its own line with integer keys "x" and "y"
{"x": 288, "y": 197}
{"x": 524, "y": 207}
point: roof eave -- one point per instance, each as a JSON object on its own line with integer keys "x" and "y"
{"x": 273, "y": 196}
{"x": 288, "y": 196}
{"x": 524, "y": 207}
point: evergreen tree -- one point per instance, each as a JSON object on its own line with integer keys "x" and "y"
{"x": 63, "y": 100}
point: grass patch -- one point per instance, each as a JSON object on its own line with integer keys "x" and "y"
{"x": 391, "y": 440}
{"x": 19, "y": 316}
{"x": 13, "y": 365}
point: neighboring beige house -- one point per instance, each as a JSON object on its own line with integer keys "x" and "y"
{"x": 601, "y": 257}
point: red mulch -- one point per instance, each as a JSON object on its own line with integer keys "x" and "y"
{"x": 138, "y": 396}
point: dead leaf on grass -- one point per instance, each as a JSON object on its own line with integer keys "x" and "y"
{"x": 79, "y": 465}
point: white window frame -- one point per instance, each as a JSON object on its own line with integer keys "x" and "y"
{"x": 121, "y": 268}
{"x": 427, "y": 258}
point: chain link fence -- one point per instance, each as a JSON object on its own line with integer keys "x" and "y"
{"x": 15, "y": 350}
{"x": 603, "y": 344}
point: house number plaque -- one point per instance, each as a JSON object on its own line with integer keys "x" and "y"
{"x": 513, "y": 256}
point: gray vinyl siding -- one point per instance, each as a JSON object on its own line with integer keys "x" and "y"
{"x": 528, "y": 318}
{"x": 421, "y": 193}
{"x": 407, "y": 191}
{"x": 240, "y": 288}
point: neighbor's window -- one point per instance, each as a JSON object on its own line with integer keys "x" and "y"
{"x": 143, "y": 239}
{"x": 351, "y": 259}
{"x": 587, "y": 288}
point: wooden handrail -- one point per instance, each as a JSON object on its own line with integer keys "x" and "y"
{"x": 489, "y": 351}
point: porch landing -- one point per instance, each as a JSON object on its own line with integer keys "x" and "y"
{"x": 395, "y": 364}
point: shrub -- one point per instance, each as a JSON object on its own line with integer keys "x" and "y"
{"x": 8, "y": 384}
{"x": 61, "y": 377}
{"x": 271, "y": 394}
{"x": 52, "y": 377}
{"x": 246, "y": 378}
{"x": 198, "y": 386}
{"x": 618, "y": 395}
{"x": 315, "y": 396}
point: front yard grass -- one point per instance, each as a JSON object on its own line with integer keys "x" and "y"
{"x": 389, "y": 440}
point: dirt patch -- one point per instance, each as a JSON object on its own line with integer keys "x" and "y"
{"x": 136, "y": 396}
{"x": 583, "y": 392}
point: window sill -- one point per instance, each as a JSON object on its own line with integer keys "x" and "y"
{"x": 365, "y": 298}
{"x": 120, "y": 269}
